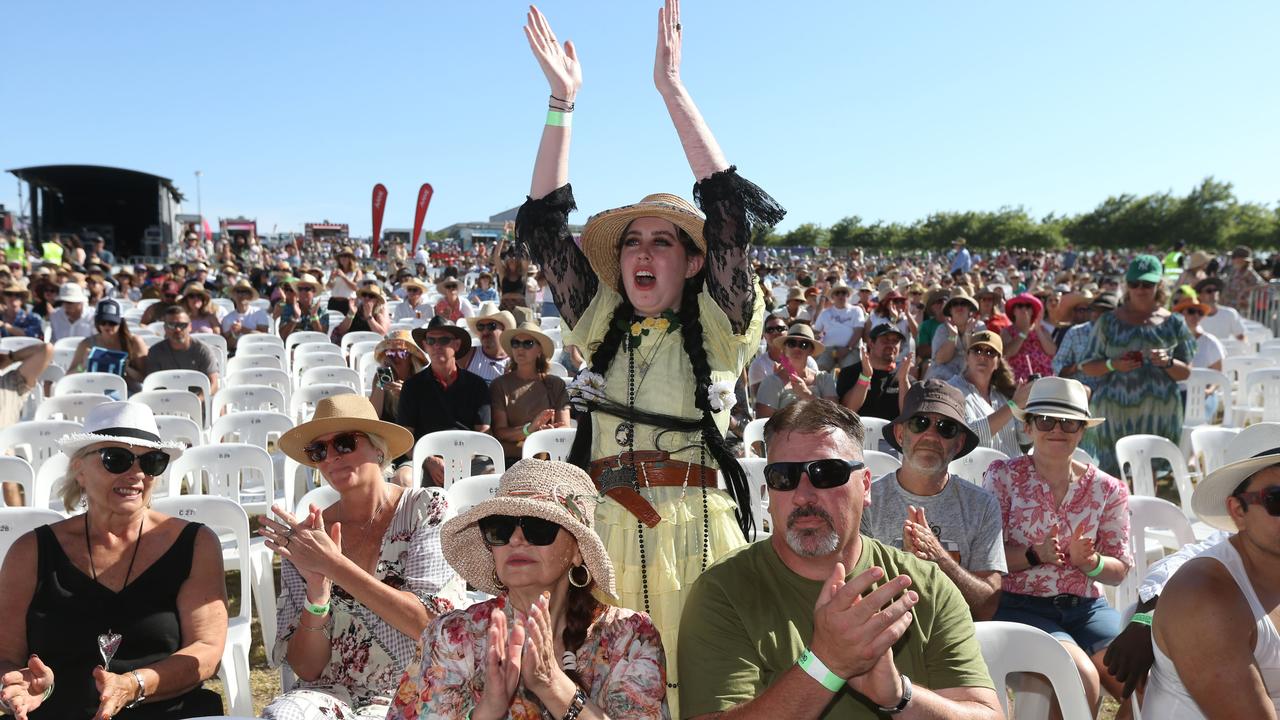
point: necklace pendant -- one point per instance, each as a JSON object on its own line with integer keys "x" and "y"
{"x": 108, "y": 644}
{"x": 625, "y": 434}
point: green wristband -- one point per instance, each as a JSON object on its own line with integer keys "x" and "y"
{"x": 1141, "y": 619}
{"x": 1097, "y": 570}
{"x": 819, "y": 671}
{"x": 864, "y": 378}
{"x": 320, "y": 610}
{"x": 1110, "y": 367}
{"x": 555, "y": 118}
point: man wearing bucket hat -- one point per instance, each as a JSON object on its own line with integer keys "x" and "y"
{"x": 70, "y": 320}
{"x": 1215, "y": 643}
{"x": 533, "y": 545}
{"x": 925, "y": 510}
{"x": 488, "y": 359}
{"x": 820, "y": 620}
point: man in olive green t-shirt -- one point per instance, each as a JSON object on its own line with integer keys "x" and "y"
{"x": 780, "y": 629}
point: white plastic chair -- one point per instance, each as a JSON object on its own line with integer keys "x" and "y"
{"x": 256, "y": 339}
{"x": 17, "y": 470}
{"x": 304, "y": 399}
{"x": 550, "y": 322}
{"x": 69, "y": 407}
{"x": 1196, "y": 412}
{"x": 68, "y": 343}
{"x": 457, "y": 447}
{"x": 555, "y": 442}
{"x": 1260, "y": 396}
{"x": 237, "y": 471}
{"x": 303, "y": 363}
{"x": 36, "y": 440}
{"x": 973, "y": 466}
{"x": 262, "y": 429}
{"x": 297, "y": 337}
{"x": 1025, "y": 652}
{"x": 332, "y": 375}
{"x": 880, "y": 463}
{"x": 1147, "y": 514}
{"x": 557, "y": 369}
{"x": 1209, "y": 447}
{"x": 244, "y": 398}
{"x": 244, "y": 361}
{"x": 759, "y": 494}
{"x": 352, "y": 338}
{"x": 278, "y": 379}
{"x": 1136, "y": 452}
{"x": 92, "y": 383}
{"x": 275, "y": 351}
{"x": 62, "y": 357}
{"x": 182, "y": 429}
{"x": 873, "y": 430}
{"x": 226, "y": 517}
{"x": 753, "y": 433}
{"x": 15, "y": 522}
{"x": 218, "y": 344}
{"x": 322, "y": 497}
{"x": 18, "y": 342}
{"x": 172, "y": 402}
{"x": 49, "y": 477}
{"x": 468, "y": 491}
{"x": 359, "y": 350}
{"x": 365, "y": 360}
{"x": 182, "y": 380}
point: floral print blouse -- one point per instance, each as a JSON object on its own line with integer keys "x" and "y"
{"x": 1095, "y": 500}
{"x": 367, "y": 654}
{"x": 621, "y": 663}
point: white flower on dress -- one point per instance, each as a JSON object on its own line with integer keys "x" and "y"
{"x": 721, "y": 396}
{"x": 586, "y": 387}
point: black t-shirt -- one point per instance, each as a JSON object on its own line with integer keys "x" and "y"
{"x": 882, "y": 396}
{"x": 425, "y": 406}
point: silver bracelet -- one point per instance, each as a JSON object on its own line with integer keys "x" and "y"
{"x": 142, "y": 690}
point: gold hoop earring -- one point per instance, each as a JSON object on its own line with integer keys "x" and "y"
{"x": 584, "y": 583}
{"x": 498, "y": 583}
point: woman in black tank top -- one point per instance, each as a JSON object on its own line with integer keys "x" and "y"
{"x": 120, "y": 585}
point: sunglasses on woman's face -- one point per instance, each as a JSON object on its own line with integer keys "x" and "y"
{"x": 823, "y": 474}
{"x": 524, "y": 344}
{"x": 1044, "y": 423}
{"x": 775, "y": 329}
{"x": 1268, "y": 498}
{"x": 801, "y": 344}
{"x": 343, "y": 444}
{"x": 487, "y": 327}
{"x": 984, "y": 351}
{"x": 1141, "y": 285}
{"x": 946, "y": 427}
{"x": 498, "y": 529}
{"x": 116, "y": 460}
{"x": 1193, "y": 311}
{"x": 397, "y": 354}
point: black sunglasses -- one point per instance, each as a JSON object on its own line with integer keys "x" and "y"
{"x": 1044, "y": 423}
{"x": 1144, "y": 285}
{"x": 525, "y": 344}
{"x": 823, "y": 474}
{"x": 1193, "y": 311}
{"x": 487, "y": 327}
{"x": 946, "y": 427}
{"x": 498, "y": 529}
{"x": 775, "y": 329}
{"x": 116, "y": 460}
{"x": 176, "y": 326}
{"x": 802, "y": 344}
{"x": 437, "y": 339}
{"x": 343, "y": 444}
{"x": 1268, "y": 498}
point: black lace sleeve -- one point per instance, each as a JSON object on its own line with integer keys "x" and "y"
{"x": 732, "y": 203}
{"x": 542, "y": 231}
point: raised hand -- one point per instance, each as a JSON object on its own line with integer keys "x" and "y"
{"x": 559, "y": 64}
{"x": 851, "y": 632}
{"x": 22, "y": 691}
{"x": 540, "y": 667}
{"x": 666, "y": 61}
{"x": 502, "y": 666}
{"x": 1080, "y": 550}
{"x": 924, "y": 544}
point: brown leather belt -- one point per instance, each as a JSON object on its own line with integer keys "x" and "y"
{"x": 653, "y": 468}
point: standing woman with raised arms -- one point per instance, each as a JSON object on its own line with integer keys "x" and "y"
{"x": 662, "y": 299}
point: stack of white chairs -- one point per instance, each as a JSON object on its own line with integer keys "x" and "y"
{"x": 331, "y": 374}
{"x": 457, "y": 448}
{"x": 272, "y": 377}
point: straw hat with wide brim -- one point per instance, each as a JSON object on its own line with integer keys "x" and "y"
{"x": 447, "y": 280}
{"x": 245, "y": 286}
{"x": 959, "y": 296}
{"x": 305, "y": 280}
{"x": 1246, "y": 454}
{"x": 601, "y": 237}
{"x": 489, "y": 312}
{"x": 799, "y": 331}
{"x": 1063, "y": 313}
{"x": 530, "y": 330}
{"x": 413, "y": 283}
{"x": 197, "y": 289}
{"x": 350, "y": 413}
{"x": 394, "y": 340}
{"x": 1190, "y": 302}
{"x": 554, "y": 491}
{"x": 1058, "y": 397}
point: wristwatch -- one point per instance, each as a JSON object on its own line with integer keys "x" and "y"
{"x": 902, "y": 704}
{"x": 1033, "y": 557}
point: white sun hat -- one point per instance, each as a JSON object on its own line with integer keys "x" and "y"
{"x": 122, "y": 422}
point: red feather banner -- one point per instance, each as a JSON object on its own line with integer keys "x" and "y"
{"x": 379, "y": 206}
{"x": 424, "y": 199}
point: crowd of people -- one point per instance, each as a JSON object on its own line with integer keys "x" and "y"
{"x": 629, "y": 581}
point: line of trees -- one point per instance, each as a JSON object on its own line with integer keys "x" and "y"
{"x": 1208, "y": 217}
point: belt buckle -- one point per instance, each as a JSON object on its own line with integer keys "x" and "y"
{"x": 618, "y": 476}
{"x": 1065, "y": 600}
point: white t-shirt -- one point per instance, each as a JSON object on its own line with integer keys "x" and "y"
{"x": 1225, "y": 323}
{"x": 837, "y": 325}
{"x": 423, "y": 311}
{"x": 252, "y": 320}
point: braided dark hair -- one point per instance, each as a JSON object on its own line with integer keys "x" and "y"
{"x": 581, "y": 608}
{"x": 691, "y": 336}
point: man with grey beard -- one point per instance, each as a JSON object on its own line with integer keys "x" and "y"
{"x": 818, "y": 620}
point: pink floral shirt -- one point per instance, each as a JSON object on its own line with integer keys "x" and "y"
{"x": 621, "y": 663}
{"x": 1095, "y": 500}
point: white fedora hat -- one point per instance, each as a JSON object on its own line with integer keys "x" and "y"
{"x": 1060, "y": 398}
{"x": 122, "y": 422}
{"x": 72, "y": 293}
{"x": 1246, "y": 454}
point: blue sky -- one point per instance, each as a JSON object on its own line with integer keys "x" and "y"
{"x": 884, "y": 110}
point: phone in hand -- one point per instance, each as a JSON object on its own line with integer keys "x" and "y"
{"x": 787, "y": 366}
